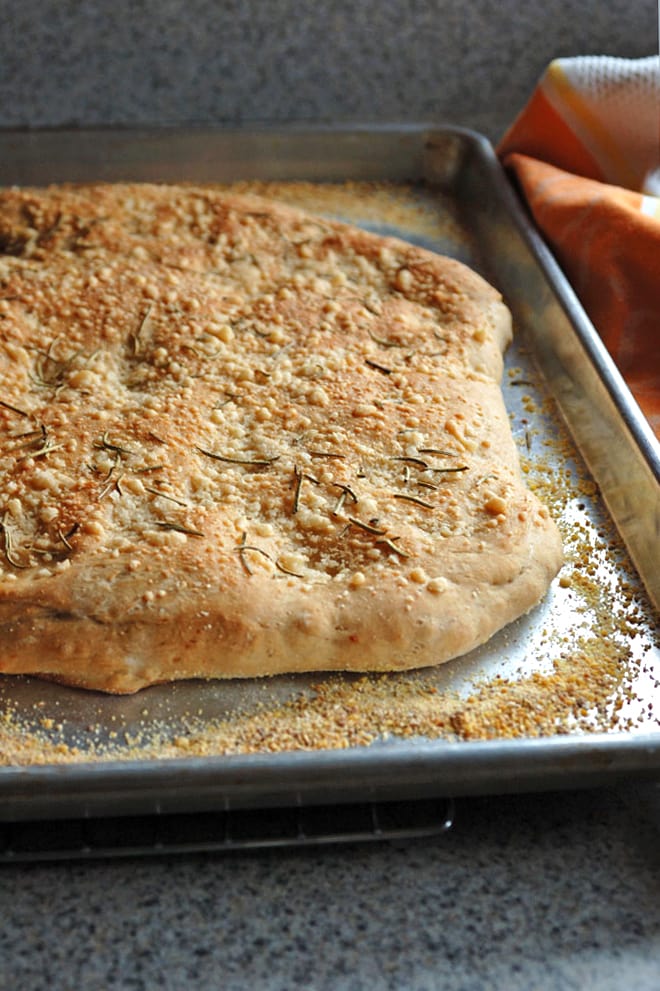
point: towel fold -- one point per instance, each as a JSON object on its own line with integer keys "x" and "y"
{"x": 585, "y": 152}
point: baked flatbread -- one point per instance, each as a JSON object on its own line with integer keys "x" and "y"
{"x": 237, "y": 439}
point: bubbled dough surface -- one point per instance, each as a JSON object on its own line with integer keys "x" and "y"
{"x": 241, "y": 440}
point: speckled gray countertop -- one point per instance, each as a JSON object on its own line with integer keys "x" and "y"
{"x": 537, "y": 892}
{"x": 246, "y": 60}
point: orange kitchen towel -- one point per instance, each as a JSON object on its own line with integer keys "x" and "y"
{"x": 585, "y": 152}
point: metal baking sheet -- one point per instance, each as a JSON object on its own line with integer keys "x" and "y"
{"x": 577, "y": 428}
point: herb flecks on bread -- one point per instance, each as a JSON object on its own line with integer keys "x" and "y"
{"x": 237, "y": 439}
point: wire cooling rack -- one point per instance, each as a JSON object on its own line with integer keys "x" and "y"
{"x": 222, "y": 832}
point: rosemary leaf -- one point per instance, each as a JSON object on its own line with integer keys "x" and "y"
{"x": 410, "y": 498}
{"x": 296, "y": 496}
{"x": 326, "y": 454}
{"x": 246, "y": 462}
{"x": 417, "y": 462}
{"x": 134, "y": 338}
{"x": 377, "y": 367}
{"x": 178, "y": 527}
{"x": 384, "y": 343}
{"x": 367, "y": 526}
{"x": 110, "y": 485}
{"x": 64, "y": 537}
{"x": 287, "y": 571}
{"x": 8, "y": 545}
{"x": 345, "y": 491}
{"x": 339, "y": 505}
{"x": 42, "y": 451}
{"x": 107, "y": 445}
{"x": 14, "y": 409}
{"x": 244, "y": 546}
{"x": 389, "y": 543}
{"x": 163, "y": 495}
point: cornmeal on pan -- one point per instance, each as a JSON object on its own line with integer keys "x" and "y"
{"x": 237, "y": 439}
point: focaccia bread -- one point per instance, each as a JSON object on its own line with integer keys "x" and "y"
{"x": 237, "y": 439}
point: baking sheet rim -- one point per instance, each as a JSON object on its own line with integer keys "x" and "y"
{"x": 583, "y": 758}
{"x": 411, "y": 769}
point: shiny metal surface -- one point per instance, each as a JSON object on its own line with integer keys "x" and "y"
{"x": 478, "y": 220}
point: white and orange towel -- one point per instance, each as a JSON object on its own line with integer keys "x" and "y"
{"x": 585, "y": 152}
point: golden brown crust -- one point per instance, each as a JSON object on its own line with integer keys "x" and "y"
{"x": 238, "y": 439}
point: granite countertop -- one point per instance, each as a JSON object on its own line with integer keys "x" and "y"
{"x": 543, "y": 891}
{"x": 244, "y": 60}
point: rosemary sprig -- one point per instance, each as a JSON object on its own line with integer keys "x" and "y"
{"x": 106, "y": 445}
{"x": 14, "y": 409}
{"x": 345, "y": 492}
{"x": 383, "y": 342}
{"x": 411, "y": 498}
{"x": 66, "y": 537}
{"x": 377, "y": 367}
{"x": 417, "y": 462}
{"x": 326, "y": 454}
{"x": 389, "y": 542}
{"x": 112, "y": 484}
{"x": 200, "y": 353}
{"x": 134, "y": 337}
{"x": 244, "y": 546}
{"x": 76, "y": 240}
{"x": 370, "y": 308}
{"x": 296, "y": 496}
{"x": 38, "y": 443}
{"x": 49, "y": 231}
{"x": 367, "y": 527}
{"x": 246, "y": 462}
{"x": 49, "y": 372}
{"x": 485, "y": 478}
{"x": 8, "y": 545}
{"x": 231, "y": 398}
{"x": 46, "y": 448}
{"x": 450, "y": 471}
{"x": 286, "y": 571}
{"x": 109, "y": 473}
{"x": 339, "y": 505}
{"x": 39, "y": 434}
{"x": 299, "y": 476}
{"x": 163, "y": 495}
{"x": 178, "y": 527}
